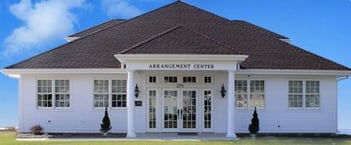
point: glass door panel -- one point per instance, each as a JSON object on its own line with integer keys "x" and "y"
{"x": 170, "y": 108}
{"x": 189, "y": 109}
{"x": 207, "y": 107}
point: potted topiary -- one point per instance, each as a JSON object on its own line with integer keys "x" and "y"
{"x": 36, "y": 130}
{"x": 254, "y": 127}
{"x": 106, "y": 124}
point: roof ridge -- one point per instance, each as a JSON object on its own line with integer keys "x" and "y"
{"x": 99, "y": 26}
{"x": 128, "y": 20}
{"x": 151, "y": 38}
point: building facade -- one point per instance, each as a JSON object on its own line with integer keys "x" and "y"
{"x": 178, "y": 69}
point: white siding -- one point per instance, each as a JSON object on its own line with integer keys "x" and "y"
{"x": 82, "y": 117}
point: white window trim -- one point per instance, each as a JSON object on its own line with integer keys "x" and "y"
{"x": 109, "y": 94}
{"x": 248, "y": 93}
{"x": 203, "y": 79}
{"x": 178, "y": 79}
{"x": 196, "y": 79}
{"x": 53, "y": 93}
{"x": 304, "y": 95}
{"x": 149, "y": 83}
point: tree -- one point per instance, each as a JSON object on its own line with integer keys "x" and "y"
{"x": 254, "y": 127}
{"x": 106, "y": 124}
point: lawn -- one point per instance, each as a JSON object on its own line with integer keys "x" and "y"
{"x": 8, "y": 138}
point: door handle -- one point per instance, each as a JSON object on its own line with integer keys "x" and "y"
{"x": 178, "y": 114}
{"x": 181, "y": 113}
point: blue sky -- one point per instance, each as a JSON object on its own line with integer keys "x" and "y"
{"x": 30, "y": 27}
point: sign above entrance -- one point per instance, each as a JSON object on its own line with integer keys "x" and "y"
{"x": 182, "y": 66}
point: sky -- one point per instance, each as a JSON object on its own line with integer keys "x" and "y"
{"x": 30, "y": 27}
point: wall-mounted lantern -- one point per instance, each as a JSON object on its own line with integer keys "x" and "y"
{"x": 136, "y": 91}
{"x": 223, "y": 91}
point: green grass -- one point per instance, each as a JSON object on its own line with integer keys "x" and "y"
{"x": 9, "y": 138}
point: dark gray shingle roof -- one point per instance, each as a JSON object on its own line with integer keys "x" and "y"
{"x": 192, "y": 27}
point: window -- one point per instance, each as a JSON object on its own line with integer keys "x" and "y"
{"x": 170, "y": 79}
{"x": 119, "y": 93}
{"x": 44, "y": 93}
{"x": 152, "y": 79}
{"x": 241, "y": 93}
{"x": 152, "y": 109}
{"x": 62, "y": 93}
{"x": 256, "y": 94}
{"x": 295, "y": 94}
{"x": 312, "y": 94}
{"x": 101, "y": 93}
{"x": 207, "y": 79}
{"x": 106, "y": 89}
{"x": 189, "y": 79}
{"x": 207, "y": 108}
{"x": 303, "y": 94}
{"x": 50, "y": 93}
{"x": 249, "y": 93}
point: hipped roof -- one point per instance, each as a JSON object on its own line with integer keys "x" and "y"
{"x": 178, "y": 28}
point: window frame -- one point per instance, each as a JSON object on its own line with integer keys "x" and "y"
{"x": 304, "y": 94}
{"x": 119, "y": 93}
{"x": 110, "y": 93}
{"x": 53, "y": 94}
{"x": 249, "y": 93}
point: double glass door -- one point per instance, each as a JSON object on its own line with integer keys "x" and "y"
{"x": 179, "y": 110}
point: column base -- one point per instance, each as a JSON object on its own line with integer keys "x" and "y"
{"x": 131, "y": 135}
{"x": 231, "y": 135}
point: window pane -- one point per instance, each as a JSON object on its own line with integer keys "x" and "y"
{"x": 241, "y": 93}
{"x": 44, "y": 93}
{"x": 312, "y": 94}
{"x": 295, "y": 101}
{"x": 256, "y": 100}
{"x": 170, "y": 79}
{"x": 152, "y": 79}
{"x": 101, "y": 86}
{"x": 257, "y": 93}
{"x": 100, "y": 100}
{"x": 119, "y": 93}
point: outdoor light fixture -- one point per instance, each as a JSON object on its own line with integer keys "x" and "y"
{"x": 136, "y": 91}
{"x": 223, "y": 91}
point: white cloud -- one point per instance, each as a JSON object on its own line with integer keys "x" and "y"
{"x": 43, "y": 22}
{"x": 120, "y": 8}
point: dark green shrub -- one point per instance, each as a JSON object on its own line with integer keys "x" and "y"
{"x": 254, "y": 127}
{"x": 106, "y": 124}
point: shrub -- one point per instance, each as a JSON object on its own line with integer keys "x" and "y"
{"x": 106, "y": 124}
{"x": 254, "y": 127}
{"x": 36, "y": 129}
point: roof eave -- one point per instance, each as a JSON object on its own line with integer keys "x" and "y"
{"x": 16, "y": 73}
{"x": 147, "y": 57}
{"x": 338, "y": 73}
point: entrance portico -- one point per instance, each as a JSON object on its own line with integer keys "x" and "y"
{"x": 181, "y": 107}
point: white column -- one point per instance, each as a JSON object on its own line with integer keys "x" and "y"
{"x": 130, "y": 104}
{"x": 231, "y": 109}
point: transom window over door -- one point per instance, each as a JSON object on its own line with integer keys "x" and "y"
{"x": 170, "y": 79}
{"x": 249, "y": 93}
{"x": 304, "y": 94}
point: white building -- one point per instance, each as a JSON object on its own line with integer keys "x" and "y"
{"x": 180, "y": 58}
